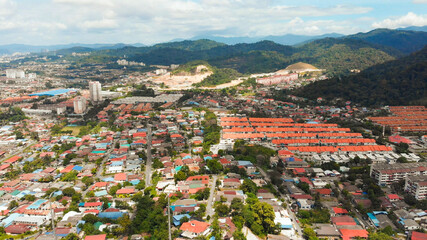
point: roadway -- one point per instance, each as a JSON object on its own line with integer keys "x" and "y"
{"x": 291, "y": 214}
{"x": 209, "y": 208}
{"x": 100, "y": 170}
{"x": 149, "y": 158}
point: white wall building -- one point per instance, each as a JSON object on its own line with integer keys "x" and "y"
{"x": 15, "y": 73}
{"x": 79, "y": 105}
{"x": 95, "y": 91}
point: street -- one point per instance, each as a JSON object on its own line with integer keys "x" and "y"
{"x": 291, "y": 214}
{"x": 209, "y": 208}
{"x": 149, "y": 158}
{"x": 101, "y": 167}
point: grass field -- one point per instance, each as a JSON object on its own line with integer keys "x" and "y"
{"x": 76, "y": 130}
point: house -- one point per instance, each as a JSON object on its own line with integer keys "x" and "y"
{"x": 96, "y": 237}
{"x": 343, "y": 221}
{"x": 233, "y": 183}
{"x": 305, "y": 204}
{"x": 327, "y": 231}
{"x": 349, "y": 234}
{"x": 418, "y": 236}
{"x": 194, "y": 228}
{"x": 337, "y": 211}
{"x": 324, "y": 192}
{"x": 393, "y": 197}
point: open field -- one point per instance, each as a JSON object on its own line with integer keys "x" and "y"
{"x": 76, "y": 129}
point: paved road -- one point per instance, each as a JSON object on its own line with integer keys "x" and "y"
{"x": 209, "y": 208}
{"x": 149, "y": 158}
{"x": 291, "y": 214}
{"x": 101, "y": 167}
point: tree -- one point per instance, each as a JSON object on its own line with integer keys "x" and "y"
{"x": 124, "y": 224}
{"x": 264, "y": 215}
{"x": 140, "y": 185}
{"x": 236, "y": 205}
{"x": 379, "y": 236}
{"x": 71, "y": 236}
{"x": 222, "y": 210}
{"x": 69, "y": 191}
{"x": 388, "y": 230}
{"x": 248, "y": 186}
{"x": 13, "y": 204}
{"x": 310, "y": 234}
{"x": 304, "y": 186}
{"x": 87, "y": 181}
{"x": 18, "y": 134}
{"x": 90, "y": 218}
{"x": 202, "y": 194}
{"x": 216, "y": 229}
{"x": 214, "y": 166}
{"x": 180, "y": 176}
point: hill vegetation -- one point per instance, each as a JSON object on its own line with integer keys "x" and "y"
{"x": 398, "y": 82}
{"x": 220, "y": 76}
{"x": 337, "y": 55}
{"x": 404, "y": 41}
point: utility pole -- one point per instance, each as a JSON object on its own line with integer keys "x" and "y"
{"x": 169, "y": 218}
{"x": 52, "y": 214}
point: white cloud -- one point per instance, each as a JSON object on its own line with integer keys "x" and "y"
{"x": 150, "y": 21}
{"x": 410, "y": 19}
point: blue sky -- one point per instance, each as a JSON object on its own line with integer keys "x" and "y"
{"x": 44, "y": 22}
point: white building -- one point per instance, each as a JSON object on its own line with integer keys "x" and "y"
{"x": 32, "y": 75}
{"x": 79, "y": 105}
{"x": 417, "y": 186}
{"x": 15, "y": 73}
{"x": 95, "y": 91}
{"x": 386, "y": 174}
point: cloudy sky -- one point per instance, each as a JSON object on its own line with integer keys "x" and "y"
{"x": 42, "y": 22}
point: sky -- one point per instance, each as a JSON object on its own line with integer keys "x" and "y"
{"x": 47, "y": 22}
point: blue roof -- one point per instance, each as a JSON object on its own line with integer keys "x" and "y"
{"x": 38, "y": 170}
{"x": 374, "y": 219}
{"x": 110, "y": 215}
{"x": 77, "y": 168}
{"x": 9, "y": 220}
{"x": 177, "y": 219}
{"x": 52, "y": 92}
{"x": 244, "y": 163}
{"x": 117, "y": 163}
{"x": 109, "y": 179}
{"x": 101, "y": 193}
{"x": 135, "y": 182}
{"x": 37, "y": 204}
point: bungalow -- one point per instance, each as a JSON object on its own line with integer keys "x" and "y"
{"x": 194, "y": 229}
{"x": 233, "y": 183}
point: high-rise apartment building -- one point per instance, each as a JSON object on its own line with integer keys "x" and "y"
{"x": 95, "y": 91}
{"x": 79, "y": 105}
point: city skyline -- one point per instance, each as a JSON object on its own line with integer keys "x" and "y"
{"x": 49, "y": 22}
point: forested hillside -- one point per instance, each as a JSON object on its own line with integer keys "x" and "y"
{"x": 398, "y": 82}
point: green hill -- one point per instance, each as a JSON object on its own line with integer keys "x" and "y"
{"x": 339, "y": 56}
{"x": 404, "y": 41}
{"x": 198, "y": 45}
{"x": 398, "y": 82}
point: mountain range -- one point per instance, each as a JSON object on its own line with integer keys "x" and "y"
{"x": 287, "y": 39}
{"x": 337, "y": 55}
{"x": 24, "y": 48}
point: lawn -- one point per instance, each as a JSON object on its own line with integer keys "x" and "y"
{"x": 76, "y": 130}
